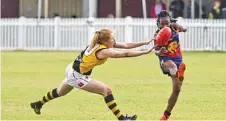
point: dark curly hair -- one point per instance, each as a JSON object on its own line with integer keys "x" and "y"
{"x": 164, "y": 14}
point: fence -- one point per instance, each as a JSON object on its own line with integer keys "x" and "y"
{"x": 74, "y": 34}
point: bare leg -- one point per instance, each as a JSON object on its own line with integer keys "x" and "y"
{"x": 97, "y": 87}
{"x": 171, "y": 67}
{"x": 100, "y": 88}
{"x": 62, "y": 90}
{"x": 175, "y": 93}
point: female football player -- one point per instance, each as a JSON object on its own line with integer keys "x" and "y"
{"x": 170, "y": 59}
{"x": 77, "y": 74}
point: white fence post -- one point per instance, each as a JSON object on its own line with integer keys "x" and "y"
{"x": 128, "y": 29}
{"x": 21, "y": 34}
{"x": 57, "y": 33}
{"x": 91, "y": 29}
{"x": 146, "y": 37}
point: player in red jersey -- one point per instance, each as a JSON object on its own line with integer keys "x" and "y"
{"x": 170, "y": 58}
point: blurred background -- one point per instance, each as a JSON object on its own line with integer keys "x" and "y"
{"x": 69, "y": 24}
{"x": 111, "y": 8}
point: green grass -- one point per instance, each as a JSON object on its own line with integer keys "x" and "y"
{"x": 137, "y": 83}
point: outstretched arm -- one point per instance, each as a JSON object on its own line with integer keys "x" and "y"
{"x": 130, "y": 45}
{"x": 110, "y": 53}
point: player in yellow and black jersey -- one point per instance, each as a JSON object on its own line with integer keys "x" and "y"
{"x": 77, "y": 73}
{"x": 87, "y": 60}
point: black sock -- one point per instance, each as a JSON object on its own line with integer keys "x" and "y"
{"x": 167, "y": 113}
{"x": 49, "y": 96}
{"x": 110, "y": 101}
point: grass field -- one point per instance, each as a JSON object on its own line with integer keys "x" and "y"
{"x": 137, "y": 83}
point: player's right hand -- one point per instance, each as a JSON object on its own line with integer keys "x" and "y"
{"x": 162, "y": 50}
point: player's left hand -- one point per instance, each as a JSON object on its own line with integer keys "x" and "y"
{"x": 177, "y": 27}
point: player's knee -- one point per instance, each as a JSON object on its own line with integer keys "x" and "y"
{"x": 173, "y": 71}
{"x": 61, "y": 93}
{"x": 172, "y": 68}
{"x": 106, "y": 91}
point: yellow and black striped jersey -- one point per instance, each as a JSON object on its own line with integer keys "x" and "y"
{"x": 87, "y": 60}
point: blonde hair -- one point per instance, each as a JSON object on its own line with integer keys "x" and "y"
{"x": 100, "y": 37}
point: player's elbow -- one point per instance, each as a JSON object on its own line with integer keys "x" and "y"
{"x": 118, "y": 55}
{"x": 127, "y": 46}
{"x": 123, "y": 55}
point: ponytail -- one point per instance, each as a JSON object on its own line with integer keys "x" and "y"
{"x": 100, "y": 37}
{"x": 95, "y": 40}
